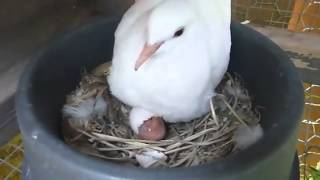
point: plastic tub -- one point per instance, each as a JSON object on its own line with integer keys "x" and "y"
{"x": 268, "y": 73}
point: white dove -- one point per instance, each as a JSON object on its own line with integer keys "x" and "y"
{"x": 169, "y": 55}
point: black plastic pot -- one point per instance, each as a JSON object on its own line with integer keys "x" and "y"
{"x": 269, "y": 75}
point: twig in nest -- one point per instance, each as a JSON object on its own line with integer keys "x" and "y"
{"x": 214, "y": 116}
{"x": 234, "y": 113}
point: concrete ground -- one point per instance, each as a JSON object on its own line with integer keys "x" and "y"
{"x": 303, "y": 49}
{"x": 28, "y": 26}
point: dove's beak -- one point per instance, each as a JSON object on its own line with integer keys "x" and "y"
{"x": 146, "y": 53}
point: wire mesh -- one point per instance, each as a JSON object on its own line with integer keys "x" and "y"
{"x": 295, "y": 15}
{"x": 309, "y": 135}
{"x": 11, "y": 156}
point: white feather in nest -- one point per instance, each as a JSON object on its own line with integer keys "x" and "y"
{"x": 100, "y": 107}
{"x": 149, "y": 157}
{"x": 79, "y": 116}
{"x": 245, "y": 136}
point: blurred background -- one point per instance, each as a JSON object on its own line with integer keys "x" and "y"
{"x": 27, "y": 26}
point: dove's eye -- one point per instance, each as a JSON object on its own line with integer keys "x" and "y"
{"x": 179, "y": 32}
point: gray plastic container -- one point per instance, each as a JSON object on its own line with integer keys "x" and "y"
{"x": 268, "y": 73}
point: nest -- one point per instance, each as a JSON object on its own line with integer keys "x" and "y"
{"x": 203, "y": 140}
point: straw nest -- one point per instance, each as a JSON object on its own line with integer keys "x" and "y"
{"x": 203, "y": 140}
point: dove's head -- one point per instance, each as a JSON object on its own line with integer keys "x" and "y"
{"x": 168, "y": 26}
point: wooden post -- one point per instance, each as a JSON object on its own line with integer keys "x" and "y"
{"x": 296, "y": 15}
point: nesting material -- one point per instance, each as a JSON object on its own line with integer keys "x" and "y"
{"x": 96, "y": 123}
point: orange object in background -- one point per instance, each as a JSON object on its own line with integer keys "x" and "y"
{"x": 305, "y": 16}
